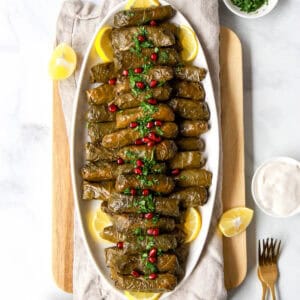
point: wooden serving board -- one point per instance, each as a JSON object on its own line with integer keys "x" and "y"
{"x": 232, "y": 114}
{"x": 233, "y": 185}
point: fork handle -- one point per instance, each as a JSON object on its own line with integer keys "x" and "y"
{"x": 272, "y": 288}
{"x": 264, "y": 291}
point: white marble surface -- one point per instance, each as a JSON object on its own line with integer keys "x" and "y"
{"x": 272, "y": 74}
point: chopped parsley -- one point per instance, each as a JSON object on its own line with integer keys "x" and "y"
{"x": 249, "y": 6}
{"x": 163, "y": 56}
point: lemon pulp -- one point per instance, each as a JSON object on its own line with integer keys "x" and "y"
{"x": 62, "y": 62}
{"x": 235, "y": 221}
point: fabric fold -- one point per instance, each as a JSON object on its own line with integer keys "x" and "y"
{"x": 76, "y": 25}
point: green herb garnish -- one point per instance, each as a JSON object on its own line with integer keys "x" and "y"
{"x": 163, "y": 56}
{"x": 249, "y": 6}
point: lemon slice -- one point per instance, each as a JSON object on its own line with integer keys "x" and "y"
{"x": 62, "y": 62}
{"x": 96, "y": 221}
{"x": 192, "y": 224}
{"x": 235, "y": 221}
{"x": 188, "y": 42}
{"x": 103, "y": 44}
{"x": 141, "y": 296}
{"x": 141, "y": 3}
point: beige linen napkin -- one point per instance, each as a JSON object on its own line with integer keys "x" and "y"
{"x": 76, "y": 24}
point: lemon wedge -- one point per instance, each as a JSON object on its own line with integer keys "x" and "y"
{"x": 235, "y": 221}
{"x": 192, "y": 224}
{"x": 189, "y": 43}
{"x": 62, "y": 62}
{"x": 141, "y": 296}
{"x": 141, "y": 3}
{"x": 96, "y": 221}
{"x": 103, "y": 44}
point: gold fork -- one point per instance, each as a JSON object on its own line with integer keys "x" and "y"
{"x": 267, "y": 264}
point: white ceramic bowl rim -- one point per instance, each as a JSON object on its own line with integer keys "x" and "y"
{"x": 262, "y": 11}
{"x": 254, "y": 178}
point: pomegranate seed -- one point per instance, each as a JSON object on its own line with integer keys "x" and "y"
{"x": 146, "y": 192}
{"x": 152, "y": 101}
{"x": 155, "y": 232}
{"x": 158, "y": 123}
{"x": 153, "y": 252}
{"x": 137, "y": 171}
{"x": 125, "y": 72}
{"x": 138, "y": 70}
{"x": 140, "y": 85}
{"x": 150, "y": 125}
{"x": 153, "y": 83}
{"x": 150, "y": 231}
{"x": 153, "y": 23}
{"x": 145, "y": 140}
{"x": 150, "y": 144}
{"x": 139, "y": 163}
{"x": 112, "y": 108}
{"x": 158, "y": 139}
{"x": 138, "y": 142}
{"x": 175, "y": 172}
{"x": 149, "y": 216}
{"x": 120, "y": 161}
{"x": 135, "y": 273}
{"x": 141, "y": 38}
{"x": 120, "y": 245}
{"x": 153, "y": 276}
{"x": 152, "y": 136}
{"x": 133, "y": 192}
{"x": 112, "y": 81}
{"x": 152, "y": 259}
{"x": 154, "y": 56}
{"x": 133, "y": 124}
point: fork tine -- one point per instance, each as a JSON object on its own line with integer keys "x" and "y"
{"x": 277, "y": 251}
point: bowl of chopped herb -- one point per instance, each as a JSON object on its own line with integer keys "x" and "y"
{"x": 251, "y": 9}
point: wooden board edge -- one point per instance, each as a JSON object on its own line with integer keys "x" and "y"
{"x": 62, "y": 226}
{"x": 234, "y": 249}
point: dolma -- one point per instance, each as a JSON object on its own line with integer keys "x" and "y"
{"x": 94, "y": 152}
{"x": 189, "y": 109}
{"x": 105, "y": 93}
{"x": 163, "y": 151}
{"x": 193, "y": 177}
{"x": 191, "y": 90}
{"x": 143, "y": 15}
{"x": 129, "y": 59}
{"x": 193, "y": 128}
{"x": 187, "y": 159}
{"x": 191, "y": 196}
{"x": 98, "y": 171}
{"x": 102, "y": 72}
{"x": 190, "y": 144}
{"x": 97, "y": 131}
{"x": 99, "y": 113}
{"x": 100, "y": 95}
{"x": 125, "y": 264}
{"x": 190, "y": 73}
{"x": 164, "y": 242}
{"x": 128, "y": 100}
{"x": 125, "y": 117}
{"x": 132, "y": 223}
{"x": 163, "y": 283}
{"x": 120, "y": 203}
{"x": 123, "y": 39}
{"x": 128, "y": 136}
{"x": 99, "y": 190}
{"x": 158, "y": 183}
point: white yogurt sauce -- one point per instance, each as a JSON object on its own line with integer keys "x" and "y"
{"x": 277, "y": 187}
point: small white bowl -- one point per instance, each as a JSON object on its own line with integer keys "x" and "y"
{"x": 287, "y": 160}
{"x": 264, "y": 10}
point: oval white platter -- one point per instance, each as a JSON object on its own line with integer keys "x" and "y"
{"x": 79, "y": 138}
